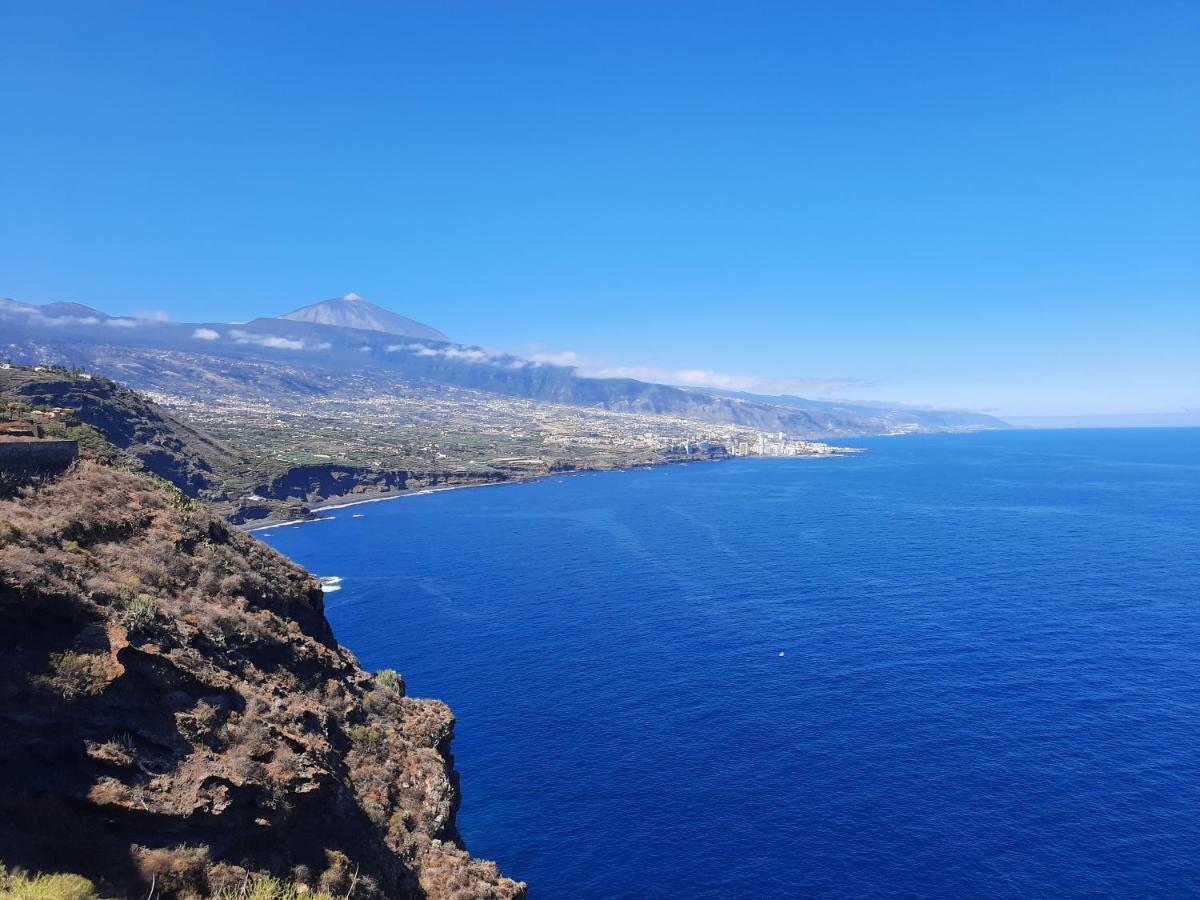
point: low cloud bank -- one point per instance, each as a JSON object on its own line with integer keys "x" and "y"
{"x": 697, "y": 377}
{"x": 450, "y": 351}
{"x": 274, "y": 341}
{"x": 726, "y": 381}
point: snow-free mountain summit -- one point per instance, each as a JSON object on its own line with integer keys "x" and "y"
{"x": 352, "y": 311}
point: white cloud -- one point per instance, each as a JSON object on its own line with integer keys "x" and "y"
{"x": 152, "y": 315}
{"x": 65, "y": 320}
{"x": 448, "y": 351}
{"x": 566, "y": 358}
{"x": 268, "y": 340}
{"x": 726, "y": 381}
{"x": 206, "y": 334}
{"x": 694, "y": 377}
{"x": 471, "y": 354}
{"x": 281, "y": 343}
{"x": 688, "y": 377}
{"x": 122, "y": 322}
{"x": 36, "y": 316}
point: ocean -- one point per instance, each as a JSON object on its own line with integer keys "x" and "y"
{"x": 952, "y": 666}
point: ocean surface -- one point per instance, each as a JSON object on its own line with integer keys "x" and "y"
{"x": 953, "y": 666}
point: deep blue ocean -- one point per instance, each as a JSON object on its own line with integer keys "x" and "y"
{"x": 953, "y": 666}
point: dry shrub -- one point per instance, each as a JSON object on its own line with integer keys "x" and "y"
{"x": 199, "y": 724}
{"x": 205, "y": 714}
{"x": 78, "y": 674}
{"x": 226, "y": 879}
{"x": 266, "y": 887}
{"x": 8, "y": 532}
{"x": 108, "y": 792}
{"x": 339, "y": 875}
{"x": 117, "y": 752}
{"x": 175, "y": 872}
{"x": 450, "y": 873}
{"x": 89, "y": 509}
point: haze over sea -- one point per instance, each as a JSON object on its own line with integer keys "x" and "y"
{"x": 990, "y": 680}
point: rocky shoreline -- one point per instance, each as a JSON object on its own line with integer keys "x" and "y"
{"x": 372, "y": 493}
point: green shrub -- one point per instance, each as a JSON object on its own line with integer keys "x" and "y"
{"x": 140, "y": 611}
{"x": 205, "y": 714}
{"x": 337, "y": 878}
{"x": 364, "y": 738}
{"x": 19, "y": 886}
{"x": 93, "y": 444}
{"x": 390, "y": 678}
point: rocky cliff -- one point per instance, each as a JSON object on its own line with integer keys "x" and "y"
{"x": 125, "y": 428}
{"x": 179, "y": 721}
{"x": 139, "y": 429}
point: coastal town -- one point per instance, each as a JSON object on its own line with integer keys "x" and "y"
{"x": 257, "y": 457}
{"x": 452, "y": 428}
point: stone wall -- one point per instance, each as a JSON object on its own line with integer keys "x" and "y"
{"x": 36, "y": 457}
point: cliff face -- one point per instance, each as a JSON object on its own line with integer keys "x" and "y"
{"x": 125, "y": 428}
{"x": 178, "y": 716}
{"x": 132, "y": 424}
{"x": 330, "y": 481}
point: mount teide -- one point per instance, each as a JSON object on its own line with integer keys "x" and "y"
{"x": 352, "y": 311}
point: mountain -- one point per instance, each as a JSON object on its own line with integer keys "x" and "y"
{"x": 352, "y": 311}
{"x": 290, "y": 359}
{"x": 896, "y": 416}
{"x": 51, "y": 313}
{"x": 180, "y": 722}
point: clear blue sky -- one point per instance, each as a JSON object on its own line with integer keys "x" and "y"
{"x": 988, "y": 205}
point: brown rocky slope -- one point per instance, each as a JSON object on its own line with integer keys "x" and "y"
{"x": 178, "y": 719}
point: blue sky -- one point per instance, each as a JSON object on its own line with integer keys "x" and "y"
{"x": 985, "y": 205}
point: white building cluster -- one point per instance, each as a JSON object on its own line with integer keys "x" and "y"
{"x": 777, "y": 444}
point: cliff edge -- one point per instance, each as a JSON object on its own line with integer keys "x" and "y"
{"x": 179, "y": 721}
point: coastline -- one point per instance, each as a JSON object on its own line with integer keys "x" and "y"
{"x": 341, "y": 503}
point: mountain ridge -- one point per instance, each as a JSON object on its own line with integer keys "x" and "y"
{"x": 305, "y": 358}
{"x": 353, "y": 311}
